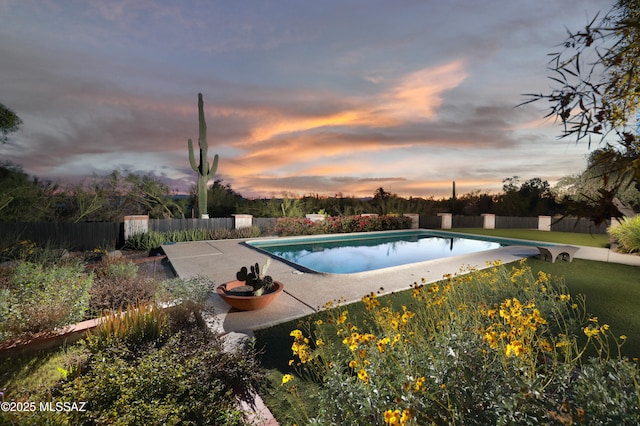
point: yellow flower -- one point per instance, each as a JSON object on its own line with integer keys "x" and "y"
{"x": 396, "y": 339}
{"x": 406, "y": 416}
{"x": 319, "y": 322}
{"x": 565, "y": 297}
{"x": 623, "y": 337}
{"x": 319, "y": 342}
{"x": 296, "y": 334}
{"x": 342, "y": 318}
{"x": 419, "y": 384}
{"x": 353, "y": 364}
{"x": 545, "y": 345}
{"x": 514, "y": 348}
{"x": 382, "y": 344}
{"x": 286, "y": 379}
{"x": 491, "y": 338}
{"x": 591, "y": 331}
{"x": 362, "y": 375}
{"x": 392, "y": 417}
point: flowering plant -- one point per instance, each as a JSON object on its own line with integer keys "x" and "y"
{"x": 491, "y": 346}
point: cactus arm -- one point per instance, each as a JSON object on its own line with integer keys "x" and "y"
{"x": 214, "y": 166}
{"x": 192, "y": 157}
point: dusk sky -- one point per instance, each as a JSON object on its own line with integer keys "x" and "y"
{"x": 300, "y": 96}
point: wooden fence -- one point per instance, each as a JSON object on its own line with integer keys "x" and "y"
{"x": 90, "y": 235}
{"x": 72, "y": 236}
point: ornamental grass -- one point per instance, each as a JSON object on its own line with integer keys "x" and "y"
{"x": 494, "y": 346}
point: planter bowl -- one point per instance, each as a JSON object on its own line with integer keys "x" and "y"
{"x": 247, "y": 303}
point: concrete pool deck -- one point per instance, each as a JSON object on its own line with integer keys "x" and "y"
{"x": 305, "y": 293}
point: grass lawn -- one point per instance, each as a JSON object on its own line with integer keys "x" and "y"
{"x": 612, "y": 292}
{"x": 588, "y": 240}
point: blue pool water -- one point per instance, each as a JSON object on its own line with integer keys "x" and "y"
{"x": 345, "y": 254}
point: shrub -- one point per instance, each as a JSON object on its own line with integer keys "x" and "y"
{"x": 41, "y": 299}
{"x": 146, "y": 241}
{"x": 627, "y": 234}
{"x": 340, "y": 224}
{"x": 152, "y": 240}
{"x": 286, "y": 226}
{"x": 365, "y": 223}
{"x": 228, "y": 234}
{"x": 183, "y": 377}
{"x": 195, "y": 289}
{"x": 29, "y": 251}
{"x": 117, "y": 285}
{"x": 133, "y": 326}
{"x": 499, "y": 346}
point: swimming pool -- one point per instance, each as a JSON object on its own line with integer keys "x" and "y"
{"x": 351, "y": 253}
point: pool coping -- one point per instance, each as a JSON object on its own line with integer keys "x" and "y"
{"x": 258, "y": 244}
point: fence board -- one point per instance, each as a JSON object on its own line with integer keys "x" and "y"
{"x": 430, "y": 222}
{"x": 515, "y": 222}
{"x": 266, "y": 224}
{"x": 72, "y": 236}
{"x": 458, "y": 221}
{"x": 582, "y": 225}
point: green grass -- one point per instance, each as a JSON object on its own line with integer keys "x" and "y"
{"x": 38, "y": 372}
{"x": 573, "y": 238}
{"x": 612, "y": 291}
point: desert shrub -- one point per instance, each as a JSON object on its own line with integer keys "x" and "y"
{"x": 131, "y": 327}
{"x": 152, "y": 240}
{"x": 340, "y": 224}
{"x": 39, "y": 298}
{"x": 187, "y": 380}
{"x": 627, "y": 234}
{"x": 499, "y": 346}
{"x": 286, "y": 226}
{"x": 228, "y": 234}
{"x": 186, "y": 298}
{"x": 146, "y": 241}
{"x": 29, "y": 251}
{"x": 176, "y": 290}
{"x": 179, "y": 377}
{"x": 117, "y": 285}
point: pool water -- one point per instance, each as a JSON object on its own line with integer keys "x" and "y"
{"x": 351, "y": 254}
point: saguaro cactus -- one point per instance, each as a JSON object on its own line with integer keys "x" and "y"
{"x": 205, "y": 172}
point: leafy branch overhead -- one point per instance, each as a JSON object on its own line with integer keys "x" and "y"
{"x": 595, "y": 90}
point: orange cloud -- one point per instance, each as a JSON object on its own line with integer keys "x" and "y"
{"x": 419, "y": 94}
{"x": 414, "y": 97}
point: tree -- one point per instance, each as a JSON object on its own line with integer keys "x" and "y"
{"x": 596, "y": 94}
{"x": 532, "y": 197}
{"x": 24, "y": 199}
{"x": 9, "y": 122}
{"x": 222, "y": 200}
